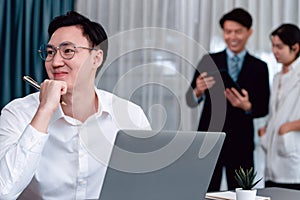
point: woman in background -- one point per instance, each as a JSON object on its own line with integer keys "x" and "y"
{"x": 280, "y": 138}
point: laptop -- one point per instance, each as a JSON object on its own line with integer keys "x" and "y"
{"x": 168, "y": 165}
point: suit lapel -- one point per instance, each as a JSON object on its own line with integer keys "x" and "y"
{"x": 221, "y": 61}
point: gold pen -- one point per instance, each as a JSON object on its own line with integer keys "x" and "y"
{"x": 32, "y": 82}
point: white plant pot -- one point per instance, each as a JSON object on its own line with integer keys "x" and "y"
{"x": 245, "y": 194}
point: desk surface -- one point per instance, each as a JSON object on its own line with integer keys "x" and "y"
{"x": 279, "y": 193}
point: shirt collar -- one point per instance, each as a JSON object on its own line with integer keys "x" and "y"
{"x": 57, "y": 115}
{"x": 295, "y": 64}
{"x": 104, "y": 106}
{"x": 230, "y": 54}
{"x": 104, "y": 101}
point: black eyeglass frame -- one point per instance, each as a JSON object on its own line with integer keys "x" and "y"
{"x": 44, "y": 50}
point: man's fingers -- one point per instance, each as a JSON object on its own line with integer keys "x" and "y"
{"x": 203, "y": 75}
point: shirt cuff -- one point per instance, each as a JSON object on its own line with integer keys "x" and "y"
{"x": 33, "y": 140}
{"x": 248, "y": 112}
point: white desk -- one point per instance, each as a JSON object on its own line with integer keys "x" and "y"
{"x": 274, "y": 192}
{"x": 279, "y": 193}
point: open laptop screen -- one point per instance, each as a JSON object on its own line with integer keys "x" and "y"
{"x": 152, "y": 165}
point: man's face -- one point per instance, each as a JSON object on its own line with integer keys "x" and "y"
{"x": 235, "y": 36}
{"x": 78, "y": 71}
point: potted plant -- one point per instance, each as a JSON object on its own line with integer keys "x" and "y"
{"x": 245, "y": 179}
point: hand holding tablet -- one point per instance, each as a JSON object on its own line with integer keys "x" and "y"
{"x": 227, "y": 80}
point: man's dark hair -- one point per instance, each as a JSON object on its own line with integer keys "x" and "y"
{"x": 289, "y": 34}
{"x": 94, "y": 31}
{"x": 238, "y": 15}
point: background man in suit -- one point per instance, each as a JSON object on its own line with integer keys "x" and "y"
{"x": 251, "y": 74}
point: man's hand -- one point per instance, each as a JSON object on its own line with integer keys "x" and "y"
{"x": 50, "y": 95}
{"x": 203, "y": 83}
{"x": 237, "y": 100}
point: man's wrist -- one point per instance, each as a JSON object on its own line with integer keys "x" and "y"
{"x": 197, "y": 93}
{"x": 248, "y": 108}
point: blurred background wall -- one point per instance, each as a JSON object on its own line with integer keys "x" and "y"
{"x": 181, "y": 31}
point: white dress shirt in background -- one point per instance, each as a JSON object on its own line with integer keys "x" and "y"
{"x": 283, "y": 151}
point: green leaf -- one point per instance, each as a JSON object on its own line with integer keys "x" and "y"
{"x": 245, "y": 178}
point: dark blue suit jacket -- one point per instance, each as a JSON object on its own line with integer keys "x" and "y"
{"x": 219, "y": 115}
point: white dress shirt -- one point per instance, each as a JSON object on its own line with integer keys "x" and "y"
{"x": 70, "y": 161}
{"x": 241, "y": 58}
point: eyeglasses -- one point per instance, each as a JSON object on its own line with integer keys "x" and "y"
{"x": 66, "y": 50}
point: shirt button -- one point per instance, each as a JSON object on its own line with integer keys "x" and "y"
{"x": 81, "y": 182}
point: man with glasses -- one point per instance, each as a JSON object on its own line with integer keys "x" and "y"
{"x": 66, "y": 49}
{"x": 50, "y": 139}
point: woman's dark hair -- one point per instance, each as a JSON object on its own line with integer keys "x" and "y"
{"x": 289, "y": 34}
{"x": 94, "y": 31}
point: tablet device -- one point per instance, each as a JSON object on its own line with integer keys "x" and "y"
{"x": 161, "y": 165}
{"x": 227, "y": 80}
